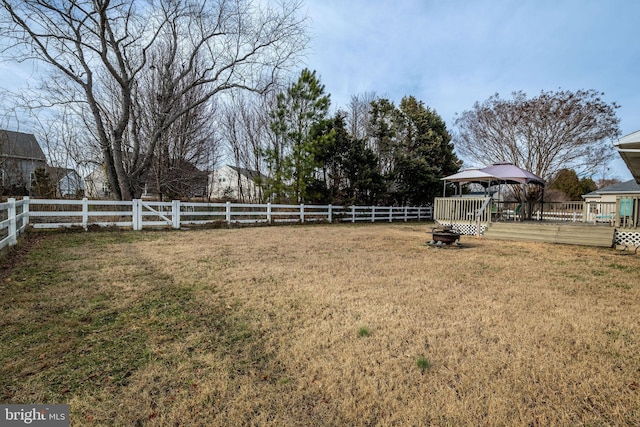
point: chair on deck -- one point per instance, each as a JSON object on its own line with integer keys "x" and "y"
{"x": 626, "y": 212}
{"x": 516, "y": 213}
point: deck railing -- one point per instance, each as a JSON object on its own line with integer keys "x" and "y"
{"x": 624, "y": 213}
{"x": 460, "y": 209}
{"x": 627, "y": 211}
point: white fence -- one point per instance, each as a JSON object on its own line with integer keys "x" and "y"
{"x": 137, "y": 214}
{"x": 14, "y": 218}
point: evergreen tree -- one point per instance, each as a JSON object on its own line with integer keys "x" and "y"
{"x": 41, "y": 185}
{"x": 414, "y": 150}
{"x": 350, "y": 168}
{"x": 425, "y": 155}
{"x": 300, "y": 124}
{"x": 567, "y": 181}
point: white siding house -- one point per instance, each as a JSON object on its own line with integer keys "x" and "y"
{"x": 234, "y": 183}
{"x": 601, "y": 204}
{"x": 96, "y": 184}
{"x": 67, "y": 181}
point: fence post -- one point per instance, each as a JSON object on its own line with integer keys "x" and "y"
{"x": 175, "y": 213}
{"x": 302, "y": 213}
{"x": 13, "y": 238}
{"x": 25, "y": 211}
{"x": 136, "y": 214}
{"x": 85, "y": 213}
{"x": 405, "y": 214}
{"x": 353, "y": 214}
{"x": 373, "y": 214}
{"x": 228, "y": 213}
{"x": 269, "y": 212}
{"x": 330, "y": 215}
{"x": 390, "y": 213}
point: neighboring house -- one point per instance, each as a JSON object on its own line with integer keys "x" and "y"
{"x": 602, "y": 203}
{"x": 182, "y": 180}
{"x": 67, "y": 181}
{"x": 609, "y": 194}
{"x": 96, "y": 185}
{"x": 234, "y": 183}
{"x": 20, "y": 156}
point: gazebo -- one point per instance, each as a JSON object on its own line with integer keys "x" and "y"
{"x": 478, "y": 211}
{"x": 496, "y": 174}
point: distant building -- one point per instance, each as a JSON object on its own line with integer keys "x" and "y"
{"x": 610, "y": 193}
{"x": 182, "y": 180}
{"x": 96, "y": 185}
{"x": 601, "y": 204}
{"x": 20, "y": 156}
{"x": 67, "y": 181}
{"x": 235, "y": 183}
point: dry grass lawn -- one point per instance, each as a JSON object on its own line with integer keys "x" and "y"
{"x": 327, "y": 325}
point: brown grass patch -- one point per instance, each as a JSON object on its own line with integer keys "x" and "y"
{"x": 322, "y": 325}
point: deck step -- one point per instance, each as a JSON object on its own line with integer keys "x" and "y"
{"x": 571, "y": 234}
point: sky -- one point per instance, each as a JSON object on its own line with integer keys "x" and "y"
{"x": 453, "y": 53}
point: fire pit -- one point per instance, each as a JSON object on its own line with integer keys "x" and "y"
{"x": 444, "y": 235}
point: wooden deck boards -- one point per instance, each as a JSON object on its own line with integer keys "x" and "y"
{"x": 571, "y": 234}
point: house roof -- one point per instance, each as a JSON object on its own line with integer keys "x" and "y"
{"x": 626, "y": 187}
{"x": 249, "y": 173}
{"x": 20, "y": 145}
{"x": 58, "y": 173}
{"x": 629, "y": 149}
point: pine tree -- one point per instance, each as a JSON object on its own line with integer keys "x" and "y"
{"x": 41, "y": 185}
{"x": 425, "y": 155}
{"x": 300, "y": 124}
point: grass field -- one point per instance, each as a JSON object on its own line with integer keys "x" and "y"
{"x": 327, "y": 325}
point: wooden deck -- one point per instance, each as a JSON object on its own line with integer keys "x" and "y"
{"x": 565, "y": 233}
{"x": 594, "y": 224}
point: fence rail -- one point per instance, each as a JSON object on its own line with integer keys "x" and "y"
{"x": 15, "y": 215}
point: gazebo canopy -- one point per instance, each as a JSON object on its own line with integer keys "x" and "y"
{"x": 496, "y": 174}
{"x": 500, "y": 173}
{"x": 470, "y": 175}
{"x": 512, "y": 174}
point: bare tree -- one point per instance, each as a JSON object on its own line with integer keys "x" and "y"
{"x": 245, "y": 128}
{"x": 543, "y": 134}
{"x": 358, "y": 114}
{"x": 104, "y": 51}
{"x": 187, "y": 148}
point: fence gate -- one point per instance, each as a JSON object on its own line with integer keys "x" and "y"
{"x": 142, "y": 208}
